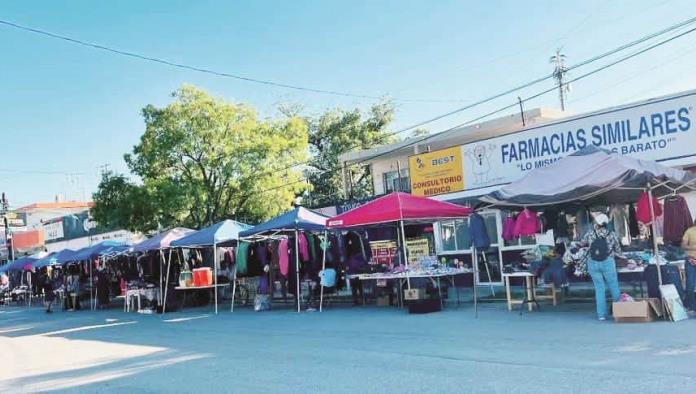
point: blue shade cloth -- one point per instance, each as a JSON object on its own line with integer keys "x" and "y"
{"x": 55, "y": 258}
{"x": 94, "y": 251}
{"x": 18, "y": 264}
{"x": 162, "y": 240}
{"x": 224, "y": 231}
{"x": 299, "y": 218}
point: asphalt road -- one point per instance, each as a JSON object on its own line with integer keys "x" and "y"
{"x": 344, "y": 349}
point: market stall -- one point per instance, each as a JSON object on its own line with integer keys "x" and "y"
{"x": 398, "y": 209}
{"x": 159, "y": 243}
{"x": 17, "y": 288}
{"x": 222, "y": 233}
{"x": 88, "y": 254}
{"x": 294, "y": 224}
{"x": 594, "y": 177}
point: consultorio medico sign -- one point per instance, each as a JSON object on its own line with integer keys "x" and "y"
{"x": 659, "y": 130}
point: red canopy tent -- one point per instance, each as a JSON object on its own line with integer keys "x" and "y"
{"x": 397, "y": 208}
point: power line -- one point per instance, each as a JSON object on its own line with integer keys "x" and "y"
{"x": 40, "y": 172}
{"x": 209, "y": 71}
{"x": 515, "y": 89}
{"x": 583, "y": 76}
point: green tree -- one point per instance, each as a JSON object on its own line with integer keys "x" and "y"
{"x": 337, "y": 132}
{"x": 202, "y": 159}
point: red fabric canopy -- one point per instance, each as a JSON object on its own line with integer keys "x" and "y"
{"x": 397, "y": 206}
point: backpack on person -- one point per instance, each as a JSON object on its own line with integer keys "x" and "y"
{"x": 599, "y": 249}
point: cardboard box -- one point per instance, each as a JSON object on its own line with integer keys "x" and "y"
{"x": 639, "y": 311}
{"x": 383, "y": 301}
{"x": 414, "y": 294}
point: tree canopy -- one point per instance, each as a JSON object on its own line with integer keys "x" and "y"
{"x": 202, "y": 159}
{"x": 335, "y": 133}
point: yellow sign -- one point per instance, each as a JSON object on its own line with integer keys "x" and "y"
{"x": 437, "y": 172}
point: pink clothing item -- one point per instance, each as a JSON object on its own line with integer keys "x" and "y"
{"x": 509, "y": 228}
{"x": 527, "y": 224}
{"x": 643, "y": 208}
{"x": 283, "y": 258}
{"x": 304, "y": 247}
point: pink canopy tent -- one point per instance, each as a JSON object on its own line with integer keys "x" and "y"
{"x": 396, "y": 208}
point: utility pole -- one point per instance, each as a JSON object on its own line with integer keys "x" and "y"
{"x": 4, "y": 209}
{"x": 559, "y": 74}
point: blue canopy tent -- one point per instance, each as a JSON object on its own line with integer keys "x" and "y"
{"x": 299, "y": 219}
{"x": 18, "y": 265}
{"x": 162, "y": 240}
{"x": 60, "y": 257}
{"x": 91, "y": 252}
{"x": 222, "y": 232}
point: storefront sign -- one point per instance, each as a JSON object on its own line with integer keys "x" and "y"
{"x": 437, "y": 172}
{"x": 659, "y": 130}
{"x": 53, "y": 230}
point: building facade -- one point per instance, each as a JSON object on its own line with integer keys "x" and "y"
{"x": 463, "y": 164}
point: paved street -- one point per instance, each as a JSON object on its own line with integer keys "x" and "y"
{"x": 344, "y": 350}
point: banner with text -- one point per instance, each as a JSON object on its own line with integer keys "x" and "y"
{"x": 437, "y": 172}
{"x": 659, "y": 131}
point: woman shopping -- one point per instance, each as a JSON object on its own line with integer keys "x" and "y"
{"x": 604, "y": 244}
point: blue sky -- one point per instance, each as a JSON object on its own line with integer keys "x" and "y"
{"x": 70, "y": 109}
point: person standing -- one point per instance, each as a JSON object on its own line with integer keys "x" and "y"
{"x": 47, "y": 286}
{"x": 604, "y": 245}
{"x": 688, "y": 243}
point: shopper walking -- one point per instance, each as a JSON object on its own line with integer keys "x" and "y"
{"x": 689, "y": 245}
{"x": 604, "y": 244}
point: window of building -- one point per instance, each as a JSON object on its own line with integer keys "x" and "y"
{"x": 393, "y": 182}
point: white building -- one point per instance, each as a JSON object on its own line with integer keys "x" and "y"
{"x": 471, "y": 161}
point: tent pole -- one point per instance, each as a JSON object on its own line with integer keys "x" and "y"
{"x": 403, "y": 245}
{"x": 297, "y": 268}
{"x": 323, "y": 269}
{"x": 656, "y": 249}
{"x": 91, "y": 286}
{"x": 234, "y": 278}
{"x": 166, "y": 288}
{"x": 162, "y": 262}
{"x": 215, "y": 264}
{"x": 474, "y": 265}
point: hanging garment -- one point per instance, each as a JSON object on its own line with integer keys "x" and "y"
{"x": 562, "y": 229}
{"x": 478, "y": 232}
{"x": 582, "y": 223}
{"x": 508, "y": 228}
{"x": 633, "y": 229}
{"x": 550, "y": 217}
{"x": 311, "y": 242}
{"x": 659, "y": 226}
{"x": 229, "y": 257}
{"x": 304, "y": 247}
{"x": 283, "y": 258}
{"x": 619, "y": 217}
{"x": 527, "y": 224}
{"x": 242, "y": 258}
{"x": 677, "y": 219}
{"x": 261, "y": 252}
{"x": 643, "y": 210}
